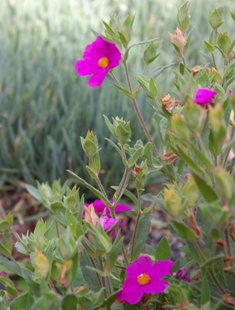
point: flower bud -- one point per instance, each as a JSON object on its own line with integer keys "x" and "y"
{"x": 224, "y": 184}
{"x": 228, "y": 299}
{"x": 122, "y": 130}
{"x": 178, "y": 38}
{"x": 64, "y": 271}
{"x": 195, "y": 70}
{"x": 41, "y": 264}
{"x": 168, "y": 103}
{"x": 215, "y": 19}
{"x": 90, "y": 145}
{"x": 179, "y": 127}
{"x": 190, "y": 191}
{"x": 140, "y": 174}
{"x": 217, "y": 78}
{"x": 182, "y": 274}
{"x": 216, "y": 117}
{"x": 91, "y": 216}
{"x": 192, "y": 224}
{"x": 172, "y": 202}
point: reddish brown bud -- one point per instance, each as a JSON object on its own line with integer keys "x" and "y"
{"x": 195, "y": 70}
{"x": 90, "y": 215}
{"x": 220, "y": 243}
{"x": 178, "y": 38}
{"x": 168, "y": 103}
{"x": 228, "y": 299}
{"x": 137, "y": 170}
{"x": 228, "y": 268}
{"x": 169, "y": 158}
{"x": 229, "y": 259}
{"x": 193, "y": 225}
{"x": 196, "y": 275}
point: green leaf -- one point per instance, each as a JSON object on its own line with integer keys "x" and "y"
{"x": 69, "y": 302}
{"x": 113, "y": 254}
{"x": 24, "y": 301}
{"x": 4, "y": 251}
{"x": 183, "y": 230}
{"x": 143, "y": 42}
{"x": 185, "y": 23}
{"x": 3, "y": 301}
{"x": 224, "y": 42}
{"x": 91, "y": 172}
{"x": 150, "y": 53}
{"x": 91, "y": 278}
{"x": 219, "y": 89}
{"x": 10, "y": 266}
{"x": 177, "y": 50}
{"x": 137, "y": 154}
{"x": 129, "y": 194}
{"x": 207, "y": 192}
{"x": 142, "y": 231}
{"x": 159, "y": 70}
{"x": 91, "y": 188}
{"x": 181, "y": 68}
{"x": 74, "y": 225}
{"x": 109, "y": 29}
{"x": 205, "y": 292}
{"x": 144, "y": 82}
{"x": 204, "y": 160}
{"x": 153, "y": 90}
{"x": 115, "y": 146}
{"x": 214, "y": 259}
{"x": 215, "y": 19}
{"x": 34, "y": 192}
{"x": 180, "y": 153}
{"x": 163, "y": 250}
{"x": 9, "y": 286}
{"x": 203, "y": 78}
{"x": 209, "y": 47}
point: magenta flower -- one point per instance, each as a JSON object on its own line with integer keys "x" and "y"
{"x": 98, "y": 58}
{"x": 104, "y": 212}
{"x": 100, "y": 207}
{"x": 233, "y": 56}
{"x": 143, "y": 277}
{"x": 182, "y": 274}
{"x": 107, "y": 222}
{"x": 204, "y": 96}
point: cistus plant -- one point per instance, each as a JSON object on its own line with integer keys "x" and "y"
{"x": 78, "y": 258}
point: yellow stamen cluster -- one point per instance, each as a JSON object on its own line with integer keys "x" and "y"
{"x": 103, "y": 62}
{"x": 143, "y": 278}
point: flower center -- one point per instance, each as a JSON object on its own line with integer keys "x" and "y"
{"x": 143, "y": 278}
{"x": 103, "y": 62}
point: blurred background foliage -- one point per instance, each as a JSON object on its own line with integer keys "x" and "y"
{"x": 45, "y": 107}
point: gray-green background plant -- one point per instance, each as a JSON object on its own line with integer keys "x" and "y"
{"x": 45, "y": 107}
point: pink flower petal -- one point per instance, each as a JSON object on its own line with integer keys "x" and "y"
{"x": 162, "y": 268}
{"x": 204, "y": 96}
{"x": 155, "y": 286}
{"x": 121, "y": 208}
{"x": 100, "y": 207}
{"x": 131, "y": 291}
{"x": 107, "y": 222}
{"x": 91, "y": 56}
{"x": 84, "y": 67}
{"x": 142, "y": 265}
{"x": 97, "y": 79}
